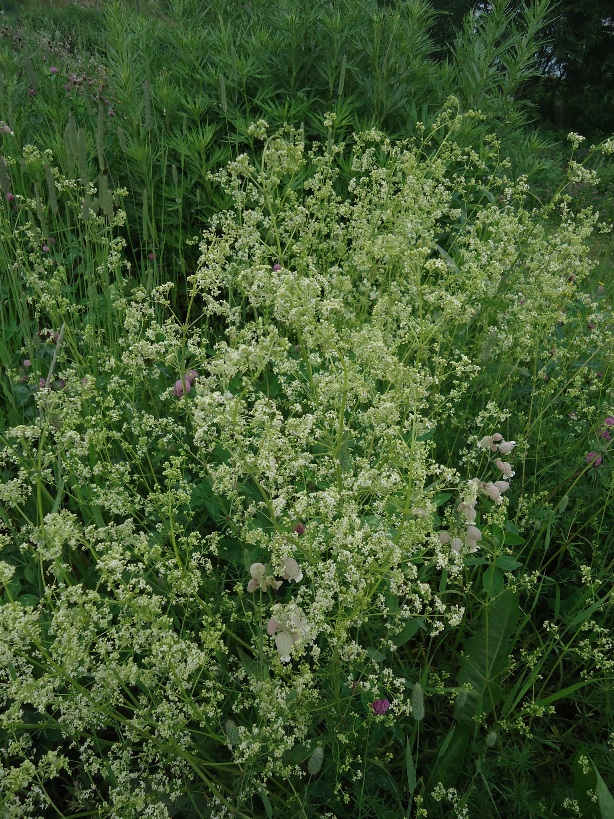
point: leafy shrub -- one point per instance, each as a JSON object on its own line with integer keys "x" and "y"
{"x": 270, "y": 553}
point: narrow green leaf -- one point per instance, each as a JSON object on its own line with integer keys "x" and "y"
{"x": 584, "y": 615}
{"x": 411, "y": 770}
{"x": 564, "y": 692}
{"x": 266, "y": 801}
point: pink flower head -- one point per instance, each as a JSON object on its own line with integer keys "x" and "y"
{"x": 276, "y": 266}
{"x": 26, "y": 363}
{"x": 299, "y": 528}
{"x": 591, "y": 325}
{"x": 46, "y": 248}
{"x": 10, "y": 197}
{"x": 179, "y": 387}
{"x": 151, "y": 256}
{"x": 593, "y": 458}
{"x": 609, "y": 421}
{"x": 32, "y": 92}
{"x": 191, "y": 376}
{"x": 53, "y": 70}
{"x": 603, "y": 433}
{"x": 380, "y": 706}
{"x": 111, "y": 112}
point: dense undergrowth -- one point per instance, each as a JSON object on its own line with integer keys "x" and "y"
{"x": 305, "y": 440}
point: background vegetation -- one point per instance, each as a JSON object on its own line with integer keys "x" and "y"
{"x": 305, "y": 440}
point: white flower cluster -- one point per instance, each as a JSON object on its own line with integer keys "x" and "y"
{"x": 492, "y": 489}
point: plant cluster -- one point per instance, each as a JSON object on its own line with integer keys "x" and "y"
{"x": 279, "y": 549}
{"x": 182, "y": 81}
{"x": 306, "y": 469}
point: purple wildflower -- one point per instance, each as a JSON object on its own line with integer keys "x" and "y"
{"x": 593, "y": 458}
{"x": 46, "y": 248}
{"x": 276, "y": 266}
{"x": 299, "y": 528}
{"x": 380, "y": 706}
{"x": 179, "y": 387}
{"x": 32, "y": 92}
{"x": 10, "y": 197}
{"x": 609, "y": 421}
{"x": 53, "y": 70}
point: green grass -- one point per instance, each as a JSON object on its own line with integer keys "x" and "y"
{"x": 264, "y": 387}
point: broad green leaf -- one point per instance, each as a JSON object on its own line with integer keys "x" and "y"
{"x": 493, "y": 581}
{"x": 585, "y": 786}
{"x": 605, "y": 800}
{"x": 450, "y": 757}
{"x": 485, "y": 656}
{"x": 406, "y": 633}
{"x": 507, "y": 563}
